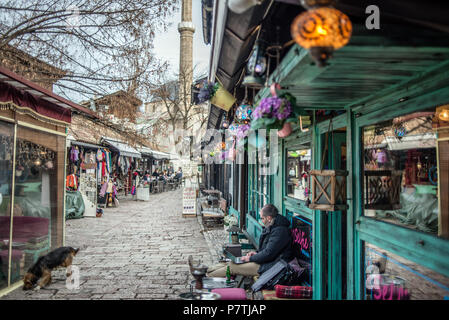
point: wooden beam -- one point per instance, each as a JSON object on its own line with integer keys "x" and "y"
{"x": 437, "y": 77}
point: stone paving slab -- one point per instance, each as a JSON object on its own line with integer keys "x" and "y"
{"x": 136, "y": 251}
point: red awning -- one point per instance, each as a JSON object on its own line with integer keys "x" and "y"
{"x": 27, "y": 95}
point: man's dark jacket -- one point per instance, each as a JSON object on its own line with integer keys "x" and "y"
{"x": 275, "y": 243}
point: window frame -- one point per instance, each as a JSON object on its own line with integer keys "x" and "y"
{"x": 425, "y": 249}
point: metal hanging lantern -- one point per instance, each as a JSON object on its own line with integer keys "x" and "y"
{"x": 383, "y": 189}
{"x": 321, "y": 30}
{"x": 257, "y": 64}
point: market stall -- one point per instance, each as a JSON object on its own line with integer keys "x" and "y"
{"x": 33, "y": 124}
{"x": 82, "y": 165}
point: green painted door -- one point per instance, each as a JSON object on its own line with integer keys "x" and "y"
{"x": 336, "y": 226}
{"x": 295, "y": 189}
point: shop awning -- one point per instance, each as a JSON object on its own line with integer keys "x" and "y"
{"x": 84, "y": 144}
{"x": 158, "y": 155}
{"x": 27, "y": 95}
{"x": 123, "y": 148}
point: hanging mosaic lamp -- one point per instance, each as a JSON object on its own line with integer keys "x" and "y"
{"x": 321, "y": 30}
{"x": 243, "y": 113}
{"x": 443, "y": 112}
{"x": 233, "y": 129}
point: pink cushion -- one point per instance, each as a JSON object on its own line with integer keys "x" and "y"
{"x": 24, "y": 228}
{"x": 231, "y": 293}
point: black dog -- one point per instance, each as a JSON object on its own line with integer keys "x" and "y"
{"x": 61, "y": 257}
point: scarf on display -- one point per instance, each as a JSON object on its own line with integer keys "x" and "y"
{"x": 74, "y": 154}
{"x": 71, "y": 182}
{"x": 103, "y": 189}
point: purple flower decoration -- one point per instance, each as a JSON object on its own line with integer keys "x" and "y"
{"x": 284, "y": 111}
{"x": 242, "y": 131}
{"x": 273, "y": 107}
{"x": 207, "y": 91}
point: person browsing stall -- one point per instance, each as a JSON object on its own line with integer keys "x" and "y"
{"x": 275, "y": 244}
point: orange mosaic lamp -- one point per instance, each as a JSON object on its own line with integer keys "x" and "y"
{"x": 443, "y": 112}
{"x": 321, "y": 31}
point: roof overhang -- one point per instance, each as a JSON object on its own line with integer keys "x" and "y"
{"x": 122, "y": 148}
{"x": 357, "y": 73}
{"x": 22, "y": 84}
{"x": 410, "y": 43}
{"x": 233, "y": 37}
{"x": 84, "y": 144}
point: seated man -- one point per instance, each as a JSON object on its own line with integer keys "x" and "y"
{"x": 275, "y": 243}
{"x": 156, "y": 173}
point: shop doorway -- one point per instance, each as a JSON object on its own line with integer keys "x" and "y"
{"x": 296, "y": 195}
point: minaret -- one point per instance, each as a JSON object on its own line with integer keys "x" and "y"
{"x": 186, "y": 30}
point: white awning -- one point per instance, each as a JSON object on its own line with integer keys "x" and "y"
{"x": 122, "y": 148}
{"x": 158, "y": 155}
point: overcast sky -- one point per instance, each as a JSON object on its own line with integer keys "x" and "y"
{"x": 166, "y": 45}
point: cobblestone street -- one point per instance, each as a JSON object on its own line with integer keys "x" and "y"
{"x": 136, "y": 251}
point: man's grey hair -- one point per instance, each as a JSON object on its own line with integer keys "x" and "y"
{"x": 269, "y": 210}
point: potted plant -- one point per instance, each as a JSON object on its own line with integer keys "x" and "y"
{"x": 277, "y": 112}
{"x": 229, "y": 221}
{"x": 217, "y": 95}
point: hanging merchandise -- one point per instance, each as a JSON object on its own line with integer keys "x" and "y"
{"x": 74, "y": 154}
{"x": 99, "y": 155}
{"x": 110, "y": 161}
{"x": 71, "y": 182}
{"x": 103, "y": 189}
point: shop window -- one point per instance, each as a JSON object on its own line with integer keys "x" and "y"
{"x": 390, "y": 277}
{"x": 38, "y": 195}
{"x": 302, "y": 246}
{"x": 297, "y": 173}
{"x": 401, "y": 173}
{"x": 6, "y": 169}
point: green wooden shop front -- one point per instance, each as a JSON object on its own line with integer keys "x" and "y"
{"x": 374, "y": 97}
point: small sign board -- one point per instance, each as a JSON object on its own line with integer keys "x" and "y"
{"x": 189, "y": 202}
